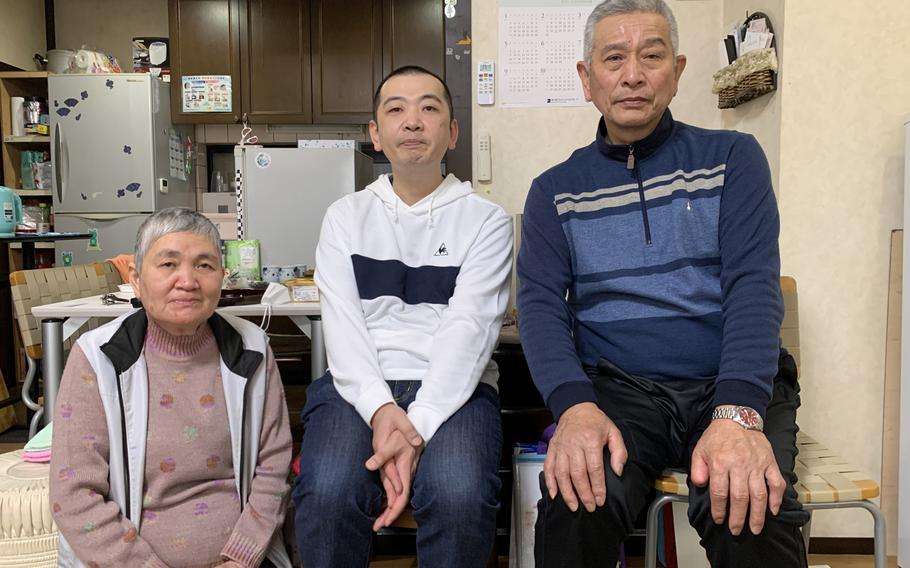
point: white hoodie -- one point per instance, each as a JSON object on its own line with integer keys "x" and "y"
{"x": 413, "y": 293}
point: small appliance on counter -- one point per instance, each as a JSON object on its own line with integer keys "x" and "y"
{"x": 10, "y": 212}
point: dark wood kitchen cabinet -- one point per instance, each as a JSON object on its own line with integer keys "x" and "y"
{"x": 413, "y": 34}
{"x": 275, "y": 51}
{"x": 301, "y": 61}
{"x": 347, "y": 59}
{"x": 205, "y": 40}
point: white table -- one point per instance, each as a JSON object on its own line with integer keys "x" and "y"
{"x": 60, "y": 320}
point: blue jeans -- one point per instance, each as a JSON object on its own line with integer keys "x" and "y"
{"x": 455, "y": 492}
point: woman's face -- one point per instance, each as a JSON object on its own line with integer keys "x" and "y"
{"x": 180, "y": 282}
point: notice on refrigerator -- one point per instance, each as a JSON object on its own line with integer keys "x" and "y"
{"x": 540, "y": 42}
{"x": 176, "y": 156}
{"x": 206, "y": 93}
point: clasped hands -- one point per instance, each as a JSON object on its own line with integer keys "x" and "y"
{"x": 396, "y": 449}
{"x": 736, "y": 464}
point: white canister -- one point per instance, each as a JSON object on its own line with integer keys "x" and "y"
{"x": 60, "y": 60}
{"x": 157, "y": 53}
{"x": 17, "y": 115}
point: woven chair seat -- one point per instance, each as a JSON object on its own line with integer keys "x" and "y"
{"x": 824, "y": 477}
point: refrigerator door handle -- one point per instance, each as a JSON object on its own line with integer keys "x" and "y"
{"x": 66, "y": 160}
{"x": 58, "y": 167}
{"x": 104, "y": 216}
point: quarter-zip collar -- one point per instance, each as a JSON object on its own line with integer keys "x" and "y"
{"x": 641, "y": 149}
{"x": 633, "y": 153}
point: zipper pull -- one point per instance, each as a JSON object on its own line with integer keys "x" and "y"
{"x": 630, "y": 161}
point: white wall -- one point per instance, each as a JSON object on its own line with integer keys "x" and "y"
{"x": 21, "y": 32}
{"x": 525, "y": 142}
{"x": 109, "y": 25}
{"x": 845, "y": 93}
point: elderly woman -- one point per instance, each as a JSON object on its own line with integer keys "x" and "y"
{"x": 171, "y": 440}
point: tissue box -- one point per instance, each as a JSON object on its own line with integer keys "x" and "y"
{"x": 219, "y": 203}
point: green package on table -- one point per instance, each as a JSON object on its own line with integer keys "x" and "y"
{"x": 241, "y": 261}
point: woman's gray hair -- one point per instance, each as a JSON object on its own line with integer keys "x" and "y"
{"x": 615, "y": 7}
{"x": 173, "y": 220}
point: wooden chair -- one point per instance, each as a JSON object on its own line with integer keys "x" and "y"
{"x": 825, "y": 480}
{"x": 32, "y": 288}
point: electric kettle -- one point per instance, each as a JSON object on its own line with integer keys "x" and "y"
{"x": 10, "y": 212}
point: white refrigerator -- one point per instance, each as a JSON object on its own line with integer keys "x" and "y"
{"x": 116, "y": 159}
{"x": 283, "y": 194}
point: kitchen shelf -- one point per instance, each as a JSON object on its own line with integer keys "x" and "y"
{"x": 37, "y": 245}
{"x": 32, "y": 192}
{"x": 25, "y": 75}
{"x": 30, "y": 139}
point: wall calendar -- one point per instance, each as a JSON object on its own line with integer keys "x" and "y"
{"x": 540, "y": 41}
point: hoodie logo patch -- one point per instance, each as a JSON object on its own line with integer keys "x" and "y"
{"x": 441, "y": 251}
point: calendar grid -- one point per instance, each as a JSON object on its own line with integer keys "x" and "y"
{"x": 538, "y": 51}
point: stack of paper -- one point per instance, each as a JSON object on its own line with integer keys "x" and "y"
{"x": 744, "y": 38}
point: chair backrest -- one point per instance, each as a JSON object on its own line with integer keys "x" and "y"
{"x": 789, "y": 329}
{"x": 32, "y": 288}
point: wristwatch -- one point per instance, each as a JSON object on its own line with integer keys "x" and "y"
{"x": 746, "y": 417}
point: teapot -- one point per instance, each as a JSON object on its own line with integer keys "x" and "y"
{"x": 10, "y": 212}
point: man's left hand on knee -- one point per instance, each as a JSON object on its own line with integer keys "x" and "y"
{"x": 739, "y": 467}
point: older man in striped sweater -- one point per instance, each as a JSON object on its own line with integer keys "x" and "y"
{"x": 649, "y": 311}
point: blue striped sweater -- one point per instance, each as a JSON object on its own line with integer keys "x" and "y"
{"x": 666, "y": 263}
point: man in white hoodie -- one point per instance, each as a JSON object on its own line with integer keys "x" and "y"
{"x": 414, "y": 278}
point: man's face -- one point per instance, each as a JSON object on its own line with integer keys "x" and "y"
{"x": 633, "y": 74}
{"x": 413, "y": 127}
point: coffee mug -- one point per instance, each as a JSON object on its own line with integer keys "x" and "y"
{"x": 271, "y": 273}
{"x": 286, "y": 273}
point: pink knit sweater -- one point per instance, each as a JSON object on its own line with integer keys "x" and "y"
{"x": 191, "y": 512}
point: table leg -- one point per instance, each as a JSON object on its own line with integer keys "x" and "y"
{"x": 318, "y": 364}
{"x": 28, "y": 257}
{"x": 51, "y": 363}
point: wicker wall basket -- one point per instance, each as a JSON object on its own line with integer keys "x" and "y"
{"x": 752, "y": 75}
{"x": 752, "y": 86}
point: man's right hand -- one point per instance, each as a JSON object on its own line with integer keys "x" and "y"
{"x": 574, "y": 462}
{"x": 397, "y": 446}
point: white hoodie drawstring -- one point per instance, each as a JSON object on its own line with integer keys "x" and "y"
{"x": 450, "y": 189}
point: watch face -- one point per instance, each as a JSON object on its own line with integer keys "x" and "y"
{"x": 749, "y": 417}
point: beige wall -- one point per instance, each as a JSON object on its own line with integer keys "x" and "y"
{"x": 525, "y": 142}
{"x": 845, "y": 94}
{"x": 21, "y": 32}
{"x": 109, "y": 25}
